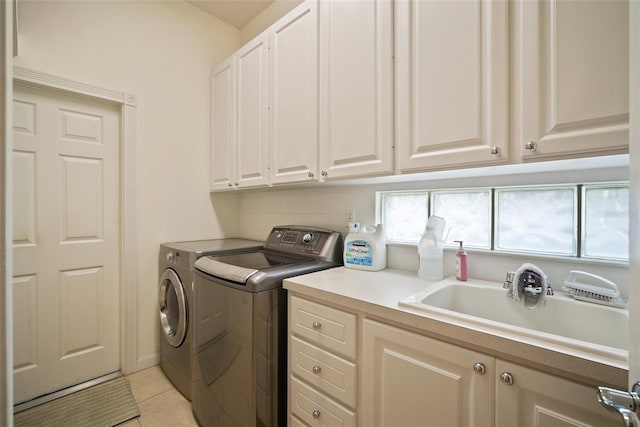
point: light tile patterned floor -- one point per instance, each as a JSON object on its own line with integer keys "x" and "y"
{"x": 159, "y": 402}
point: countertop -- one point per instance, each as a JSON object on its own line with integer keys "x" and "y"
{"x": 376, "y": 294}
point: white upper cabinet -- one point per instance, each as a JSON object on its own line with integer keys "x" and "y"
{"x": 356, "y": 88}
{"x": 223, "y": 126}
{"x": 239, "y": 119}
{"x": 252, "y": 109}
{"x": 451, "y": 83}
{"x": 293, "y": 41}
{"x": 570, "y": 77}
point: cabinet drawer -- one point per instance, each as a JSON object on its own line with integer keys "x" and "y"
{"x": 326, "y": 372}
{"x": 316, "y": 409}
{"x": 327, "y": 327}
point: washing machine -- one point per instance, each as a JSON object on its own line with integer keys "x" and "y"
{"x": 176, "y": 262}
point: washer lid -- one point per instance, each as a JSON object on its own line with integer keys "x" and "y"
{"x": 240, "y": 267}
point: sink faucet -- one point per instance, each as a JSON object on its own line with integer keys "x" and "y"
{"x": 531, "y": 287}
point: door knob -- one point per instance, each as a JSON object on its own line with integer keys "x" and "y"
{"x": 530, "y": 146}
{"x": 625, "y": 403}
{"x": 479, "y": 368}
{"x": 507, "y": 378}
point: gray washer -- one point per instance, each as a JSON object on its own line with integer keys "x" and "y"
{"x": 176, "y": 273}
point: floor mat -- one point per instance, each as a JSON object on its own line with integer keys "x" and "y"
{"x": 106, "y": 404}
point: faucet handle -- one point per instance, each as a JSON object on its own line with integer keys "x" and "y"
{"x": 508, "y": 281}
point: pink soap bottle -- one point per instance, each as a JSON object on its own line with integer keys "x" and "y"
{"x": 461, "y": 263}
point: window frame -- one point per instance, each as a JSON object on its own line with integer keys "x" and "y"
{"x": 579, "y": 215}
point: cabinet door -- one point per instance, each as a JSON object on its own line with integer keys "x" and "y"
{"x": 411, "y": 380}
{"x": 356, "y": 88}
{"x": 571, "y": 77}
{"x": 451, "y": 83}
{"x": 253, "y": 73}
{"x": 538, "y": 399}
{"x": 293, "y": 41}
{"x": 223, "y": 126}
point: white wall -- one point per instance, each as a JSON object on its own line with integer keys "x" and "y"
{"x": 324, "y": 205}
{"x": 162, "y": 52}
{"x": 271, "y": 14}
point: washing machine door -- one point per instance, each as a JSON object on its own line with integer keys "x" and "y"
{"x": 173, "y": 308}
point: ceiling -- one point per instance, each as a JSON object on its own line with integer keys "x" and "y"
{"x": 234, "y": 12}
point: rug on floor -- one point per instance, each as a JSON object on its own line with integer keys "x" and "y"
{"x": 106, "y": 404}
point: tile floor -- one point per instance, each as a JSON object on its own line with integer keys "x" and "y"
{"x": 159, "y": 402}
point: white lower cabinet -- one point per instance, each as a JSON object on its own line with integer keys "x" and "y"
{"x": 322, "y": 365}
{"x": 411, "y": 380}
{"x": 397, "y": 377}
{"x": 539, "y": 399}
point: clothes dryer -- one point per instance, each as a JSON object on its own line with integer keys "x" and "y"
{"x": 176, "y": 266}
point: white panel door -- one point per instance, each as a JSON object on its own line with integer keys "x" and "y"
{"x": 252, "y": 147}
{"x": 451, "y": 83}
{"x": 356, "y": 88}
{"x": 66, "y": 241}
{"x": 571, "y": 77}
{"x": 293, "y": 41}
{"x": 223, "y": 126}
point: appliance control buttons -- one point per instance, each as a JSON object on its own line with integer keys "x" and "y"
{"x": 170, "y": 256}
{"x": 307, "y": 238}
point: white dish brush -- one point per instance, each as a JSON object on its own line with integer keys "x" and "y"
{"x": 603, "y": 292}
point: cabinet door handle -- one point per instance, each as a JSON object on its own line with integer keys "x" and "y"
{"x": 316, "y": 325}
{"x": 479, "y": 368}
{"x": 495, "y": 151}
{"x": 316, "y": 414}
{"x": 311, "y": 174}
{"x": 317, "y": 369}
{"x": 530, "y": 146}
{"x": 324, "y": 173}
{"x": 507, "y": 378}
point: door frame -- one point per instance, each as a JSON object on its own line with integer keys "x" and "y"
{"x": 127, "y": 161}
{"x": 634, "y": 193}
{"x": 7, "y": 51}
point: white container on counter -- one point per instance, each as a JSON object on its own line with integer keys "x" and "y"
{"x": 365, "y": 248}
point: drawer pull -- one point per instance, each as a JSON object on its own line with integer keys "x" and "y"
{"x": 316, "y": 369}
{"x": 316, "y": 325}
{"x": 316, "y": 414}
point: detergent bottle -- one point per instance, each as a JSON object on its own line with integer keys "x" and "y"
{"x": 365, "y": 248}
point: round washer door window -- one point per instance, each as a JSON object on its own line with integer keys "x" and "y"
{"x": 173, "y": 308}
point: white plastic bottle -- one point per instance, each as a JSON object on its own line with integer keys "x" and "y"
{"x": 430, "y": 250}
{"x": 365, "y": 248}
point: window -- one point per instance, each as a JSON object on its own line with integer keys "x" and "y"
{"x": 536, "y": 220}
{"x": 606, "y": 222}
{"x": 404, "y": 215}
{"x": 589, "y": 220}
{"x": 468, "y": 216}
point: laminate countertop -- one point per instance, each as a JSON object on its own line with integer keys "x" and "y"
{"x": 376, "y": 295}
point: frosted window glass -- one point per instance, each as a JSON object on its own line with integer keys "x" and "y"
{"x": 467, "y": 215}
{"x": 536, "y": 220}
{"x": 404, "y": 216}
{"x": 606, "y": 222}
